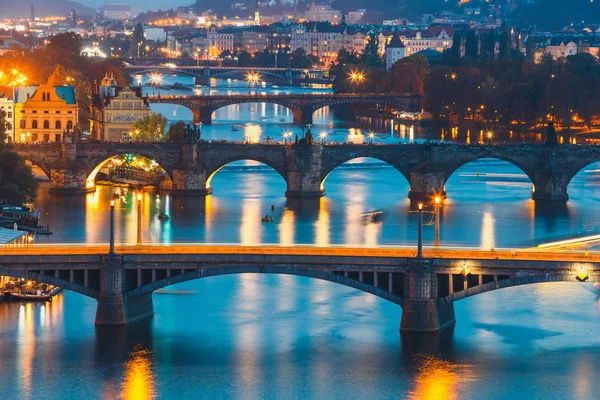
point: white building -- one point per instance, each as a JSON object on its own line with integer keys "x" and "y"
{"x": 354, "y": 17}
{"x": 117, "y": 11}
{"x": 394, "y": 51}
{"x": 561, "y": 49}
{"x": 322, "y": 13}
{"x": 326, "y": 45}
{"x": 437, "y": 38}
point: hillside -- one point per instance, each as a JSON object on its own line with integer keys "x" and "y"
{"x": 556, "y": 12}
{"x": 43, "y": 8}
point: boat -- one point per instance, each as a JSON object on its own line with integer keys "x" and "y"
{"x": 23, "y": 215}
{"x": 234, "y": 129}
{"x": 19, "y": 297}
{"x": 267, "y": 218}
{"x": 135, "y": 177}
{"x": 372, "y": 216}
{"x": 163, "y": 217}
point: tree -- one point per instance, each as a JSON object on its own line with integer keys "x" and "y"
{"x": 471, "y": 45}
{"x": 177, "y": 132}
{"x": 455, "y": 49}
{"x": 505, "y": 44}
{"x": 151, "y": 128}
{"x": 300, "y": 59}
{"x": 137, "y": 42}
{"x": 17, "y": 183}
{"x": 408, "y": 75}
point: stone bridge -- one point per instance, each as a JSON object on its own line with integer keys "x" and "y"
{"x": 72, "y": 167}
{"x": 426, "y": 288}
{"x": 203, "y": 74}
{"x": 302, "y": 105}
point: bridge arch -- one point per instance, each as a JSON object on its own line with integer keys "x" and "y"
{"x": 303, "y": 272}
{"x": 452, "y": 172}
{"x": 510, "y": 282}
{"x": 333, "y": 164}
{"x": 223, "y": 163}
{"x": 101, "y": 161}
{"x": 581, "y": 167}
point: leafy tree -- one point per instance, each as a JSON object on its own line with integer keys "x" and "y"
{"x": 505, "y": 46}
{"x": 300, "y": 59}
{"x": 455, "y": 49}
{"x": 151, "y": 128}
{"x": 17, "y": 183}
{"x": 177, "y": 132}
{"x": 408, "y": 74}
{"x": 471, "y": 45}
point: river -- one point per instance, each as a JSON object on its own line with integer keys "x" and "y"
{"x": 281, "y": 337}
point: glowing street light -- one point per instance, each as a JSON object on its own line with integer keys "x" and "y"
{"x": 286, "y": 136}
{"x": 356, "y": 77}
{"x": 490, "y": 136}
{"x": 420, "y": 233}
{"x": 252, "y": 78}
{"x": 371, "y": 137}
{"x": 139, "y": 219}
{"x": 112, "y": 227}
{"x": 156, "y": 80}
{"x": 323, "y": 136}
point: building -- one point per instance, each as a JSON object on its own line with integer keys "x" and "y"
{"x": 561, "y": 48}
{"x": 326, "y": 45}
{"x": 117, "y": 11}
{"x": 394, "y": 51}
{"x": 322, "y": 13}
{"x": 114, "y": 112}
{"x": 8, "y": 43}
{"x": 354, "y": 17}
{"x": 7, "y": 105}
{"x": 44, "y": 113}
{"x": 186, "y": 13}
{"x": 253, "y": 41}
{"x": 219, "y": 41}
{"x": 434, "y": 38}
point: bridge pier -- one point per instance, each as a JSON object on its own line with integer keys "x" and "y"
{"x": 202, "y": 115}
{"x": 426, "y": 186}
{"x": 114, "y": 307}
{"x": 70, "y": 181}
{"x": 303, "y": 116}
{"x": 421, "y": 310}
{"x": 190, "y": 181}
{"x": 304, "y": 171}
{"x": 550, "y": 185}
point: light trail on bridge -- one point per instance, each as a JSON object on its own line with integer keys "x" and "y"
{"x": 524, "y": 254}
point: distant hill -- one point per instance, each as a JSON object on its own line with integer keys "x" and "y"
{"x": 556, "y": 12}
{"x": 43, "y": 8}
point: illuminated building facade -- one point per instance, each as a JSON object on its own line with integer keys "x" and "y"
{"x": 44, "y": 113}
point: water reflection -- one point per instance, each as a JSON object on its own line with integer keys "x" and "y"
{"x": 438, "y": 379}
{"x": 138, "y": 380}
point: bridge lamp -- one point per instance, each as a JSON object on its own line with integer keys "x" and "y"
{"x": 371, "y": 136}
{"x": 582, "y": 275}
{"x": 323, "y": 136}
{"x": 465, "y": 270}
{"x": 438, "y": 200}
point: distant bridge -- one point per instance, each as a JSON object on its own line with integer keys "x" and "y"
{"x": 425, "y": 288}
{"x": 203, "y": 74}
{"x": 302, "y": 105}
{"x": 190, "y": 168}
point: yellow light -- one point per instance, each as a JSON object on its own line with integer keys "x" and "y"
{"x": 112, "y": 203}
{"x": 437, "y": 199}
{"x": 28, "y": 283}
{"x": 465, "y": 270}
{"x": 139, "y": 197}
{"x": 582, "y": 275}
{"x": 420, "y": 206}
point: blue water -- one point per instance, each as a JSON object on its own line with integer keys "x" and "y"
{"x": 283, "y": 337}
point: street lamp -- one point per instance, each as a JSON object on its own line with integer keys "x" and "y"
{"x": 420, "y": 235}
{"x": 490, "y": 135}
{"x": 139, "y": 219}
{"x": 112, "y": 228}
{"x": 286, "y": 136}
{"x": 356, "y": 77}
{"x": 438, "y": 201}
{"x": 156, "y": 80}
{"x": 323, "y": 136}
{"x": 371, "y": 136}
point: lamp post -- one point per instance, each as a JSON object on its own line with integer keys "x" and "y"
{"x": 323, "y": 136}
{"x": 139, "y": 219}
{"x": 356, "y": 77}
{"x": 371, "y": 136}
{"x": 112, "y": 228}
{"x": 438, "y": 201}
{"x": 420, "y": 235}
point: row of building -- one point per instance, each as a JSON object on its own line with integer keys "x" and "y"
{"x": 46, "y": 113}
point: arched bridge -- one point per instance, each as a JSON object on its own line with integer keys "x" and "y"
{"x": 72, "y": 167}
{"x": 203, "y": 74}
{"x": 302, "y": 105}
{"x": 425, "y": 288}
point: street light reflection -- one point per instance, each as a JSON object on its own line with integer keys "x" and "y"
{"x": 439, "y": 379}
{"x": 139, "y": 382}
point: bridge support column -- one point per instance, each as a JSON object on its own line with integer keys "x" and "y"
{"x": 190, "y": 181}
{"x": 425, "y": 186}
{"x": 421, "y": 310}
{"x": 202, "y": 115}
{"x": 70, "y": 181}
{"x": 303, "y": 116}
{"x": 114, "y": 308}
{"x": 550, "y": 185}
{"x": 304, "y": 171}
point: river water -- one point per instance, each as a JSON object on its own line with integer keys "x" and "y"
{"x": 282, "y": 337}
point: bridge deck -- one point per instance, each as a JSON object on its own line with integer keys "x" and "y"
{"x": 520, "y": 255}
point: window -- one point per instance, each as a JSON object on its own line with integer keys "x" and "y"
{"x": 34, "y": 124}
{"x": 58, "y": 112}
{"x": 57, "y": 138}
{"x": 45, "y": 111}
{"x": 34, "y": 112}
{"x": 22, "y": 124}
{"x": 44, "y": 96}
{"x": 46, "y": 138}
{"x": 9, "y": 114}
{"x": 46, "y": 124}
{"x": 57, "y": 125}
{"x": 70, "y": 125}
{"x": 69, "y": 112}
{"x": 8, "y": 126}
